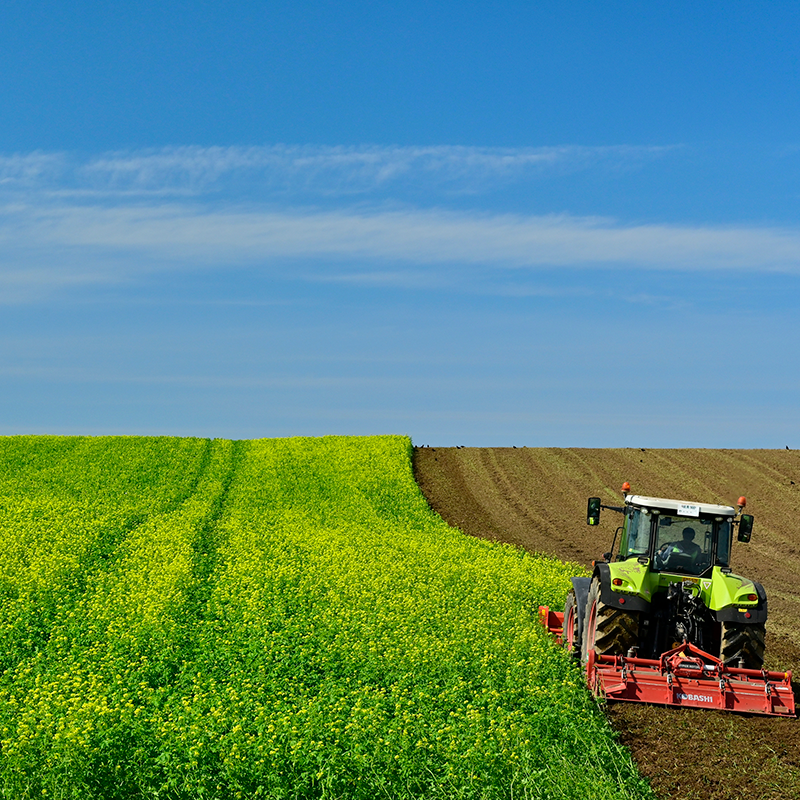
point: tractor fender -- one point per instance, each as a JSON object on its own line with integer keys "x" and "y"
{"x": 581, "y": 587}
{"x": 758, "y": 614}
{"x": 625, "y": 602}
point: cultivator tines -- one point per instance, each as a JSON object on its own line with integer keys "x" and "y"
{"x": 687, "y": 676}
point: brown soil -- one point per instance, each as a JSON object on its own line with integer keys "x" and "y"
{"x": 536, "y": 498}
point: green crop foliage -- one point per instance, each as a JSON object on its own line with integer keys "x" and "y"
{"x": 186, "y": 618}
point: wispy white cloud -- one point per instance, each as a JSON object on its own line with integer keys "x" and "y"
{"x": 69, "y": 222}
{"x": 178, "y": 233}
{"x": 297, "y": 169}
{"x": 27, "y": 170}
{"x": 349, "y": 166}
{"x": 74, "y": 244}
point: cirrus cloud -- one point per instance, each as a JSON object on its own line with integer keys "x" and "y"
{"x": 78, "y": 244}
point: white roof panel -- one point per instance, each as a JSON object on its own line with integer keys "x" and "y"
{"x": 672, "y": 505}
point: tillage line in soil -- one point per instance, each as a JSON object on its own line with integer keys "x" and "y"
{"x": 108, "y": 548}
{"x": 207, "y": 544}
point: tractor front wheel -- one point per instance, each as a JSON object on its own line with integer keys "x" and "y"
{"x": 744, "y": 642}
{"x": 607, "y": 630}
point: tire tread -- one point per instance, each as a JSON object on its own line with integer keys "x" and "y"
{"x": 616, "y": 630}
{"x": 743, "y": 641}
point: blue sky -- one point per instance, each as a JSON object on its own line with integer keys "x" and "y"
{"x": 569, "y": 224}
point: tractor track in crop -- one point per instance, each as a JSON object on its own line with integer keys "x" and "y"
{"x": 535, "y": 498}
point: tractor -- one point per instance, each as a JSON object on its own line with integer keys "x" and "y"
{"x": 665, "y": 619}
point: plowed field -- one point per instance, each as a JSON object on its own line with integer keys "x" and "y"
{"x": 536, "y": 498}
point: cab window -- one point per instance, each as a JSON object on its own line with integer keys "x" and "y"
{"x": 723, "y": 542}
{"x": 638, "y": 541}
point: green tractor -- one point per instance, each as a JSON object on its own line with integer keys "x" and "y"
{"x": 669, "y": 583}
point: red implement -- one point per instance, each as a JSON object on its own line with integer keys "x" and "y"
{"x": 553, "y": 621}
{"x": 686, "y": 676}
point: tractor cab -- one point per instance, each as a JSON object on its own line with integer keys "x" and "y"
{"x": 677, "y": 537}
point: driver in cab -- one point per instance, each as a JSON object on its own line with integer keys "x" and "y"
{"x": 685, "y": 547}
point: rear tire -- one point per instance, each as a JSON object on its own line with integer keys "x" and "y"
{"x": 572, "y": 635}
{"x": 742, "y": 641}
{"x": 607, "y": 630}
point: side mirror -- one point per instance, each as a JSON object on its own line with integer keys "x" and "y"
{"x": 745, "y": 527}
{"x": 593, "y": 511}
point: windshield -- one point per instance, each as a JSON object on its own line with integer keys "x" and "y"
{"x": 683, "y": 544}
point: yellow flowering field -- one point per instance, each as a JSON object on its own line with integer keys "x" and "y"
{"x": 278, "y": 618}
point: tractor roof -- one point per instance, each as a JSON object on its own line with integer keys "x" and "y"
{"x": 685, "y": 508}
